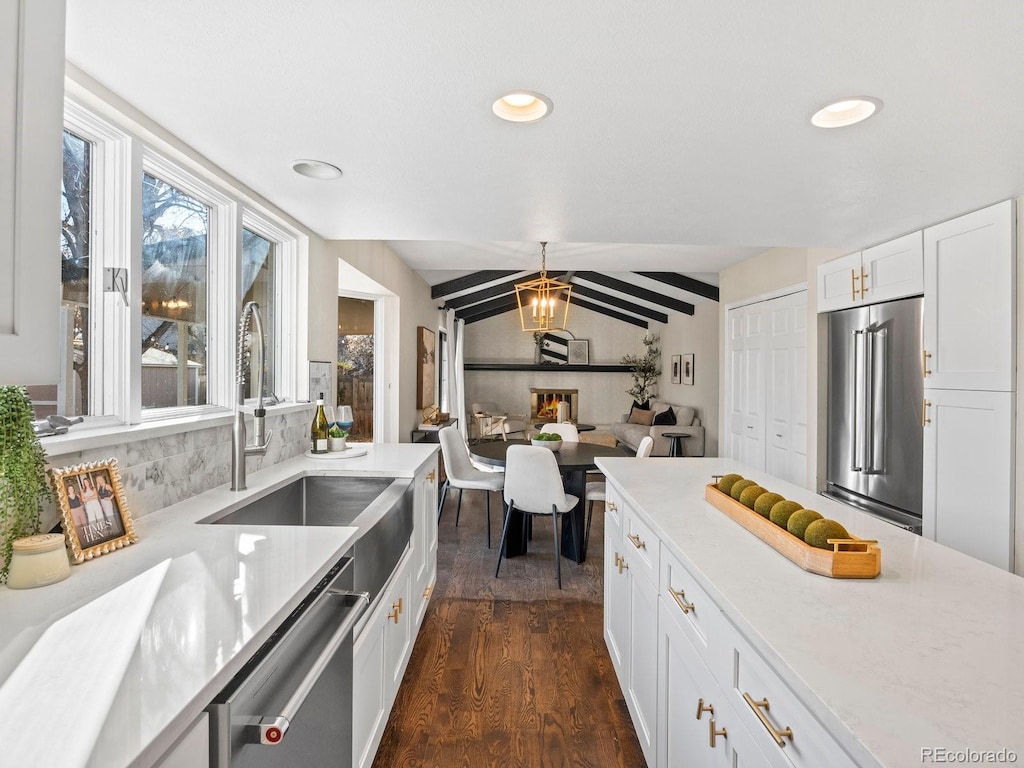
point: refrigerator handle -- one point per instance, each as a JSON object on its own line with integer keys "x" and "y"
{"x": 879, "y": 383}
{"x": 856, "y": 347}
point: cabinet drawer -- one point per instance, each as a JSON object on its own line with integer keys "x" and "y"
{"x": 691, "y": 606}
{"x": 642, "y": 547}
{"x": 808, "y": 744}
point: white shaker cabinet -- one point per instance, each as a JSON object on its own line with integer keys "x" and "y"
{"x": 969, "y": 301}
{"x": 968, "y": 472}
{"x": 891, "y": 270}
{"x": 424, "y": 542}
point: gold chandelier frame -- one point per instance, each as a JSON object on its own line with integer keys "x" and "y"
{"x": 539, "y": 299}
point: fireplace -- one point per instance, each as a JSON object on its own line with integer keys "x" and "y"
{"x": 544, "y": 403}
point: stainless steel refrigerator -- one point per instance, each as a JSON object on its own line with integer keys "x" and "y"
{"x": 875, "y": 396}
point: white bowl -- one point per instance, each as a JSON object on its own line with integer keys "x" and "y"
{"x": 553, "y": 445}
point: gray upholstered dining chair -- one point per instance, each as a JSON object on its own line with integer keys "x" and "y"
{"x": 598, "y": 491}
{"x": 533, "y": 486}
{"x": 463, "y": 475}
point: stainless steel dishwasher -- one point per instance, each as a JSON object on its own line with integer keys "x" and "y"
{"x": 291, "y": 704}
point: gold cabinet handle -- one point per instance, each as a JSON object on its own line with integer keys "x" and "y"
{"x": 611, "y": 506}
{"x": 712, "y": 732}
{"x": 853, "y": 284}
{"x": 685, "y": 607}
{"x": 760, "y": 707}
{"x": 621, "y": 562}
{"x": 925, "y": 357}
{"x": 637, "y": 541}
{"x": 428, "y": 592}
{"x": 400, "y": 603}
{"x": 702, "y": 708}
{"x": 431, "y": 475}
{"x": 395, "y": 612}
{"x": 864, "y": 282}
{"x": 925, "y": 421}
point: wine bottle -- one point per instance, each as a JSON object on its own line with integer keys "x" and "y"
{"x": 319, "y": 430}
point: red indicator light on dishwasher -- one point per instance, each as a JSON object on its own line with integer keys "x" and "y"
{"x": 273, "y": 735}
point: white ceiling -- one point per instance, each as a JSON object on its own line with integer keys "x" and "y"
{"x": 681, "y": 128}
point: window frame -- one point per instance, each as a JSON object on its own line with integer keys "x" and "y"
{"x": 120, "y": 157}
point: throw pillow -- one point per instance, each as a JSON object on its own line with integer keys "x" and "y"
{"x": 685, "y": 415}
{"x": 644, "y": 406}
{"x": 665, "y": 418}
{"x": 639, "y": 416}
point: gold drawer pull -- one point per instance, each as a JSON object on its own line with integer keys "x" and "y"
{"x": 853, "y": 283}
{"x": 925, "y": 421}
{"x": 611, "y": 506}
{"x": 400, "y": 608}
{"x": 394, "y": 613}
{"x": 685, "y": 607}
{"x": 864, "y": 282}
{"x": 924, "y": 363}
{"x": 712, "y": 733}
{"x": 428, "y": 591}
{"x": 637, "y": 541}
{"x": 702, "y": 708}
{"x": 757, "y": 706}
{"x": 621, "y": 562}
{"x": 431, "y": 475}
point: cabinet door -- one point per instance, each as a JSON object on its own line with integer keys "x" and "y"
{"x": 424, "y": 543}
{"x": 642, "y": 693}
{"x": 839, "y": 283}
{"x": 786, "y": 388}
{"x": 893, "y": 270}
{"x": 968, "y": 473}
{"x": 969, "y": 301}
{"x": 746, "y": 384}
{"x": 616, "y": 589}
{"x": 370, "y": 705}
{"x": 398, "y": 634}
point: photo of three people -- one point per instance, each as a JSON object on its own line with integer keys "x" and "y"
{"x": 95, "y": 514}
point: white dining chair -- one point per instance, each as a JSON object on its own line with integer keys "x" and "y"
{"x": 533, "y": 486}
{"x": 568, "y": 431}
{"x": 598, "y": 491}
{"x": 464, "y": 476}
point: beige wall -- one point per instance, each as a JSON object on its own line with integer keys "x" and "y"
{"x": 603, "y": 397}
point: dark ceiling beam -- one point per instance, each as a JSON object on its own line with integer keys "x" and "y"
{"x": 487, "y": 309}
{"x": 500, "y": 289}
{"x": 607, "y": 312}
{"x": 685, "y": 283}
{"x": 466, "y": 282}
{"x": 615, "y": 301}
{"x": 634, "y": 290}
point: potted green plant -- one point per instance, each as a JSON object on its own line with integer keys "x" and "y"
{"x": 336, "y": 438}
{"x": 551, "y": 440}
{"x": 24, "y": 484}
{"x": 645, "y": 370}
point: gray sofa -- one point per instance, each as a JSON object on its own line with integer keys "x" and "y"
{"x": 686, "y": 421}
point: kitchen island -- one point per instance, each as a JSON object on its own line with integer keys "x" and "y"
{"x": 213, "y": 596}
{"x": 922, "y": 663}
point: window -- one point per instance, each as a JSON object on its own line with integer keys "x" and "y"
{"x": 155, "y": 266}
{"x": 175, "y": 276}
{"x": 75, "y": 230}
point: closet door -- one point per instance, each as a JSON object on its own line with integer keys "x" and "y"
{"x": 746, "y": 385}
{"x": 786, "y": 388}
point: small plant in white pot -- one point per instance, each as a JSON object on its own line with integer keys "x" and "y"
{"x": 336, "y": 438}
{"x": 551, "y": 440}
{"x": 24, "y": 484}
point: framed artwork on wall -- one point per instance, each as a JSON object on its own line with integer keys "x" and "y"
{"x": 425, "y": 376}
{"x": 579, "y": 352}
{"x": 677, "y": 368}
{"x": 688, "y": 369}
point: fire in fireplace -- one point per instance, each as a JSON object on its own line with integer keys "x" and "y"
{"x": 544, "y": 403}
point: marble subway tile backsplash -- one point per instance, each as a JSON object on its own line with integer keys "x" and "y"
{"x": 157, "y": 472}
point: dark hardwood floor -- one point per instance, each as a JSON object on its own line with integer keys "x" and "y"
{"x": 510, "y": 671}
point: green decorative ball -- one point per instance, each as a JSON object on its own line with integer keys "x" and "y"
{"x": 799, "y": 521}
{"x": 726, "y": 482}
{"x": 750, "y": 494}
{"x": 820, "y": 531}
{"x": 738, "y": 486}
{"x": 782, "y": 511}
{"x": 765, "y": 502}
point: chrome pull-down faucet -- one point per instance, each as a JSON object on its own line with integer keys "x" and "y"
{"x": 260, "y": 436}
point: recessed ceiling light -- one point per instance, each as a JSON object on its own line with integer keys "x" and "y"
{"x": 522, "y": 106}
{"x": 847, "y": 112}
{"x": 316, "y": 169}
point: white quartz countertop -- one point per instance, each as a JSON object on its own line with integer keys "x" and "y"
{"x": 207, "y": 597}
{"x": 929, "y": 654}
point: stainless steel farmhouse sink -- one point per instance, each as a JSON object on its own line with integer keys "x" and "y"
{"x": 381, "y": 507}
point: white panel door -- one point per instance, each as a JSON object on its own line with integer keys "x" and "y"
{"x": 969, "y": 301}
{"x": 839, "y": 283}
{"x": 893, "y": 270}
{"x": 752, "y": 386}
{"x": 786, "y": 395}
{"x": 968, "y": 473}
{"x": 735, "y": 419}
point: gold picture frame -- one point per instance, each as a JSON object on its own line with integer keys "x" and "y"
{"x": 93, "y": 511}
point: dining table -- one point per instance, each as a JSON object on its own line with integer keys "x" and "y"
{"x": 574, "y": 461}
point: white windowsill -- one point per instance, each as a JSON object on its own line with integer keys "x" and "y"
{"x": 82, "y": 439}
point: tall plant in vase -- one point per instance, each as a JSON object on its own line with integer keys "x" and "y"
{"x": 24, "y": 484}
{"x": 645, "y": 370}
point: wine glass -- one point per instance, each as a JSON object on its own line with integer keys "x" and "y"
{"x": 329, "y": 412}
{"x": 345, "y": 420}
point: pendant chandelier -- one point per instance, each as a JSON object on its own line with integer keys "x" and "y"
{"x": 544, "y": 302}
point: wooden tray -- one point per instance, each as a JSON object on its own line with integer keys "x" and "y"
{"x": 851, "y": 558}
